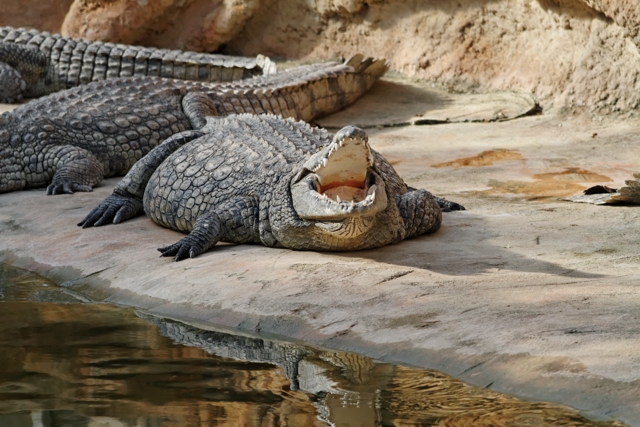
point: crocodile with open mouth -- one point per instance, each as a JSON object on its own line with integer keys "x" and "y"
{"x": 278, "y": 182}
{"x": 35, "y": 63}
{"x": 68, "y": 141}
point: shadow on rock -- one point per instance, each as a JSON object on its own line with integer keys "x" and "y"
{"x": 464, "y": 246}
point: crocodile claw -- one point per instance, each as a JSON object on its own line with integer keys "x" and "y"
{"x": 66, "y": 188}
{"x": 113, "y": 209}
{"x": 188, "y": 247}
{"x": 448, "y": 206}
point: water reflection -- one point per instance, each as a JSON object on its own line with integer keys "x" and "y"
{"x": 65, "y": 363}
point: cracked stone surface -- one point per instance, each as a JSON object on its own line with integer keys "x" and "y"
{"x": 529, "y": 294}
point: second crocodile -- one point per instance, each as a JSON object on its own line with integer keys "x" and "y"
{"x": 70, "y": 140}
{"x": 264, "y": 179}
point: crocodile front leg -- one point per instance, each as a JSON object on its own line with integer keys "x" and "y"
{"x": 126, "y": 200}
{"x": 234, "y": 221}
{"x": 420, "y": 212}
{"x": 73, "y": 169}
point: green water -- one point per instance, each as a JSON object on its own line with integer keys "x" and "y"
{"x": 65, "y": 363}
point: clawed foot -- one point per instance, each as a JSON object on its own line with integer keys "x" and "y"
{"x": 66, "y": 188}
{"x": 113, "y": 209}
{"x": 189, "y": 247}
{"x": 448, "y": 206}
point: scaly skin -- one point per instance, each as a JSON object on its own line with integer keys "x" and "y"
{"x": 70, "y": 140}
{"x": 238, "y": 347}
{"x": 44, "y": 63}
{"x": 243, "y": 179}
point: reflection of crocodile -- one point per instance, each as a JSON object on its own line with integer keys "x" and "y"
{"x": 74, "y": 138}
{"x": 79, "y": 364}
{"x": 348, "y": 386}
{"x": 264, "y": 179}
{"x": 34, "y": 63}
{"x": 285, "y": 355}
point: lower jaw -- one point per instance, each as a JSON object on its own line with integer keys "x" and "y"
{"x": 351, "y": 237}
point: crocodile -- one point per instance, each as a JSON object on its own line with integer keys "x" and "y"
{"x": 70, "y": 140}
{"x": 34, "y": 63}
{"x": 279, "y": 182}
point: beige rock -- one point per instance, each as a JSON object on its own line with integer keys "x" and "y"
{"x": 625, "y": 13}
{"x": 565, "y": 52}
{"x": 572, "y": 55}
{"x": 43, "y": 15}
{"x": 201, "y": 25}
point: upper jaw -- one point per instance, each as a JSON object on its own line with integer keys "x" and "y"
{"x": 339, "y": 181}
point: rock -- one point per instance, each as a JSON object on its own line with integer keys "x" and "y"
{"x": 574, "y": 56}
{"x": 398, "y": 102}
{"x": 43, "y": 15}
{"x": 568, "y": 53}
{"x": 625, "y": 13}
{"x": 200, "y": 25}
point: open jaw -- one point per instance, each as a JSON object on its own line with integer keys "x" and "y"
{"x": 339, "y": 181}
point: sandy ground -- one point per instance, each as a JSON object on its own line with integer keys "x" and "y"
{"x": 523, "y": 292}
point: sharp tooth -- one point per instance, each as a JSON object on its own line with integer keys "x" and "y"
{"x": 338, "y": 198}
{"x": 353, "y": 204}
{"x": 373, "y": 197}
{"x": 324, "y": 162}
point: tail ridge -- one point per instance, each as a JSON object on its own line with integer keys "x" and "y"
{"x": 374, "y": 67}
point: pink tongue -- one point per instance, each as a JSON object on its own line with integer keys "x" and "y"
{"x": 351, "y": 183}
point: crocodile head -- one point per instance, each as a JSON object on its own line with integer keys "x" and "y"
{"x": 340, "y": 182}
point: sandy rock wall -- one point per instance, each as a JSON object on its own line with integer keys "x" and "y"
{"x": 45, "y": 15}
{"x": 573, "y": 55}
{"x": 200, "y": 25}
{"x": 568, "y": 53}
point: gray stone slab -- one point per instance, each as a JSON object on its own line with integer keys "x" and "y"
{"x": 396, "y": 102}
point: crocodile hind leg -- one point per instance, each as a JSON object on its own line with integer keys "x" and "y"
{"x": 12, "y": 86}
{"x": 235, "y": 221}
{"x": 126, "y": 200}
{"x": 420, "y": 212}
{"x": 75, "y": 169}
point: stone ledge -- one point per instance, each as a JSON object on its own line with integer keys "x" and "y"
{"x": 530, "y": 295}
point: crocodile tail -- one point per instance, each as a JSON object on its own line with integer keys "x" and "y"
{"x": 340, "y": 87}
{"x": 304, "y": 93}
{"x": 372, "y": 68}
{"x": 267, "y": 65}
